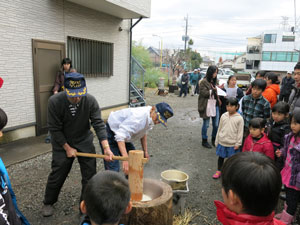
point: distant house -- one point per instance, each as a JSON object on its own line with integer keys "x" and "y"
{"x": 154, "y": 56}
{"x": 227, "y": 63}
{"x": 36, "y": 35}
{"x": 206, "y": 62}
{"x": 239, "y": 62}
{"x": 253, "y": 54}
{"x": 273, "y": 51}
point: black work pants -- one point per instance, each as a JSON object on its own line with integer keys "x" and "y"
{"x": 61, "y": 166}
{"x": 183, "y": 90}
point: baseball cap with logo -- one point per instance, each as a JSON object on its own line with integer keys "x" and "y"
{"x": 164, "y": 112}
{"x": 75, "y": 85}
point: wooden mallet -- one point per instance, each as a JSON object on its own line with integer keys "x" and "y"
{"x": 136, "y": 163}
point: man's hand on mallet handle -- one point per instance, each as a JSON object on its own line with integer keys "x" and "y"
{"x": 108, "y": 154}
{"x": 71, "y": 152}
{"x": 125, "y": 167}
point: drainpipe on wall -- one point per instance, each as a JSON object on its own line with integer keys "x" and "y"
{"x": 130, "y": 51}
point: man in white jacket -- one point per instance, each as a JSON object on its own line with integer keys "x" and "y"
{"x": 130, "y": 124}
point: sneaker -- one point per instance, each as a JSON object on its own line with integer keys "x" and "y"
{"x": 47, "y": 210}
{"x": 217, "y": 175}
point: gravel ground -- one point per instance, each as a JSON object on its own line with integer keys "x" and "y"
{"x": 177, "y": 147}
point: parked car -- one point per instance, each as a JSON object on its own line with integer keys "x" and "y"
{"x": 243, "y": 79}
{"x": 225, "y": 73}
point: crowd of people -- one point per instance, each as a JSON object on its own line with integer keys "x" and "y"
{"x": 258, "y": 134}
{"x": 256, "y": 122}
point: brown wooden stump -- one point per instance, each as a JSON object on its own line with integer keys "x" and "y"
{"x": 157, "y": 211}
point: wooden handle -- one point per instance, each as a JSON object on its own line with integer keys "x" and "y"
{"x": 100, "y": 156}
{"x": 122, "y": 158}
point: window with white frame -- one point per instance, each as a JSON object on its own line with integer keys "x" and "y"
{"x": 270, "y": 38}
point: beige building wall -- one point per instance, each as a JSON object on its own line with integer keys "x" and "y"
{"x": 54, "y": 20}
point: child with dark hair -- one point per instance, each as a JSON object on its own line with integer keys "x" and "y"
{"x": 259, "y": 75}
{"x": 290, "y": 173}
{"x": 272, "y": 89}
{"x": 230, "y": 134}
{"x": 257, "y": 140}
{"x": 105, "y": 199}
{"x": 251, "y": 184}
{"x": 232, "y": 90}
{"x": 255, "y": 105}
{"x": 277, "y": 127}
{"x": 9, "y": 212}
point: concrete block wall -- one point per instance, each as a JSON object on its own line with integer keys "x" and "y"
{"x": 54, "y": 20}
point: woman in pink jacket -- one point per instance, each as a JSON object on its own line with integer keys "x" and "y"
{"x": 257, "y": 141}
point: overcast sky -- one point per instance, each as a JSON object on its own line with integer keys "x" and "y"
{"x": 214, "y": 25}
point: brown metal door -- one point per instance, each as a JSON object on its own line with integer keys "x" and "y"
{"x": 47, "y": 57}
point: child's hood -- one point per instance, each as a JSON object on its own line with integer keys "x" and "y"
{"x": 288, "y": 138}
{"x": 275, "y": 87}
{"x": 263, "y": 140}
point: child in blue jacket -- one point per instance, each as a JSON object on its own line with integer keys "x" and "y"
{"x": 9, "y": 212}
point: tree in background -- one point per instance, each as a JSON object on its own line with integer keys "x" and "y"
{"x": 152, "y": 74}
{"x": 194, "y": 57}
{"x": 178, "y": 60}
{"x": 195, "y": 60}
{"x": 141, "y": 54}
{"x": 190, "y": 43}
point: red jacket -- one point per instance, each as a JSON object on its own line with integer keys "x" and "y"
{"x": 263, "y": 145}
{"x": 271, "y": 93}
{"x": 227, "y": 217}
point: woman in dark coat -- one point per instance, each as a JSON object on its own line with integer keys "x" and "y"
{"x": 207, "y": 86}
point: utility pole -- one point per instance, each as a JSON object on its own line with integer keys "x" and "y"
{"x": 284, "y": 22}
{"x": 186, "y": 31}
{"x": 295, "y": 28}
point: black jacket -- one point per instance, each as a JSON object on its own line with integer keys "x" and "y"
{"x": 277, "y": 131}
{"x": 65, "y": 128}
{"x": 286, "y": 86}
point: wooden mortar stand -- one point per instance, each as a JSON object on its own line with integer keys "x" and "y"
{"x": 136, "y": 163}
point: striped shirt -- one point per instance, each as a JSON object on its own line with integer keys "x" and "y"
{"x": 253, "y": 108}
